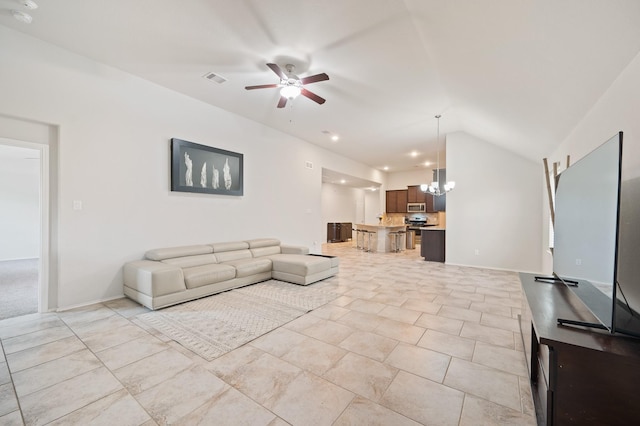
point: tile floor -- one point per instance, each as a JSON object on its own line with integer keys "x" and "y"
{"x": 408, "y": 342}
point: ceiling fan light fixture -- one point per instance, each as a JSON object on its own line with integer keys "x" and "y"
{"x": 290, "y": 92}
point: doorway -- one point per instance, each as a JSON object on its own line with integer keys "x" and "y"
{"x": 20, "y": 226}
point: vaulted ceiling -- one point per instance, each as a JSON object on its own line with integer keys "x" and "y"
{"x": 516, "y": 73}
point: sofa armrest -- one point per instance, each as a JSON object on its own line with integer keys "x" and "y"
{"x": 153, "y": 278}
{"x": 288, "y": 249}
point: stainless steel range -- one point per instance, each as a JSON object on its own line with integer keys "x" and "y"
{"x": 415, "y": 222}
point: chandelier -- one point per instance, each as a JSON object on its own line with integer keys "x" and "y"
{"x": 434, "y": 188}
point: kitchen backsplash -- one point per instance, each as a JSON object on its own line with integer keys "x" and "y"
{"x": 399, "y": 218}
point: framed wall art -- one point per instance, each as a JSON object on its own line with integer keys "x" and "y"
{"x": 204, "y": 169}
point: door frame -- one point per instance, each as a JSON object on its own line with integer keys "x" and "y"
{"x": 44, "y": 217}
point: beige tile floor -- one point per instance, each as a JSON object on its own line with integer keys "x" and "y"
{"x": 407, "y": 342}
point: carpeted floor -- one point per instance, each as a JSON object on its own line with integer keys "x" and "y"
{"x": 217, "y": 324}
{"x": 18, "y": 287}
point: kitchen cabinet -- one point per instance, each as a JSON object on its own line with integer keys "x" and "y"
{"x": 338, "y": 231}
{"x": 396, "y": 201}
{"x": 415, "y": 195}
{"x": 432, "y": 245}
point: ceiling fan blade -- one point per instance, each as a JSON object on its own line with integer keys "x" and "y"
{"x": 282, "y": 102}
{"x": 275, "y": 68}
{"x": 312, "y": 96}
{"x": 314, "y": 78}
{"x": 262, "y": 86}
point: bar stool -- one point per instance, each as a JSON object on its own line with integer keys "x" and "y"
{"x": 402, "y": 237}
{"x": 360, "y": 239}
{"x": 354, "y": 237}
{"x": 371, "y": 237}
{"x": 394, "y": 236}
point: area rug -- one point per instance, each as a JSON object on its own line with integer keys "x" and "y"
{"x": 217, "y": 324}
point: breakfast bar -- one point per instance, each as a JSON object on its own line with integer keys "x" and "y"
{"x": 381, "y": 238}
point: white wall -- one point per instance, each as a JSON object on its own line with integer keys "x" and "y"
{"x": 345, "y": 204}
{"x": 373, "y": 206}
{"x": 400, "y": 180}
{"x": 19, "y": 202}
{"x": 495, "y": 207}
{"x": 113, "y": 155}
{"x": 341, "y": 204}
{"x": 617, "y": 110}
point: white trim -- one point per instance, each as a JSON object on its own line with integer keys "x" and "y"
{"x": 491, "y": 268}
{"x": 94, "y": 302}
{"x": 43, "y": 285}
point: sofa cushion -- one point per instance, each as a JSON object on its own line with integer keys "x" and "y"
{"x": 265, "y": 251}
{"x": 253, "y": 266}
{"x": 300, "y": 265}
{"x": 198, "y": 276}
{"x": 167, "y": 253}
{"x": 229, "y": 246}
{"x": 228, "y": 256}
{"x": 263, "y": 242}
{"x": 190, "y": 261}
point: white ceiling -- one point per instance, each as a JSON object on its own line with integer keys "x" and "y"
{"x": 517, "y": 73}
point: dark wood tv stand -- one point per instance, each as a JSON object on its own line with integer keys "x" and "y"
{"x": 578, "y": 376}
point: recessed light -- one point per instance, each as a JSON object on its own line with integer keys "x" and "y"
{"x": 343, "y": 181}
{"x": 385, "y": 168}
{"x": 414, "y": 154}
{"x": 335, "y": 138}
{"x": 22, "y": 16}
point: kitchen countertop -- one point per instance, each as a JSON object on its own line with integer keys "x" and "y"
{"x": 432, "y": 228}
{"x": 380, "y": 226}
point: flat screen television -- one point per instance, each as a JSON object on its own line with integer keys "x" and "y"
{"x": 595, "y": 245}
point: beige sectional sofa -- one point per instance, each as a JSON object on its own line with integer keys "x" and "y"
{"x": 168, "y": 276}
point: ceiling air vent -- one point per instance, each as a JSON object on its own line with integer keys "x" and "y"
{"x": 215, "y": 77}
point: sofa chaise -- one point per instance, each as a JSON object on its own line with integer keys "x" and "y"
{"x": 168, "y": 276}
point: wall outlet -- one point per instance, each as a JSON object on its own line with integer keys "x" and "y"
{"x": 579, "y": 262}
{"x": 77, "y": 205}
{"x": 477, "y": 251}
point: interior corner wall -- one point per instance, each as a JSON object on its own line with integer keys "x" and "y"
{"x": 493, "y": 214}
{"x": 113, "y": 157}
{"x": 341, "y": 204}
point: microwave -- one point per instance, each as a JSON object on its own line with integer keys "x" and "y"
{"x": 416, "y": 207}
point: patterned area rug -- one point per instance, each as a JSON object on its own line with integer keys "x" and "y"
{"x": 214, "y": 325}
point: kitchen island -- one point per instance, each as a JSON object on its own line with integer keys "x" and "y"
{"x": 382, "y": 243}
{"x": 432, "y": 243}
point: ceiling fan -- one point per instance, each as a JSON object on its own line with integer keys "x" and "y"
{"x": 291, "y": 85}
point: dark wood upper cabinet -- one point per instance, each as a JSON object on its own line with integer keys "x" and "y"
{"x": 392, "y": 201}
{"x": 402, "y": 201}
{"x": 415, "y": 194}
{"x": 396, "y": 201}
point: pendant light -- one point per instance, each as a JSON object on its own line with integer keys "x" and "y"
{"x": 434, "y": 188}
